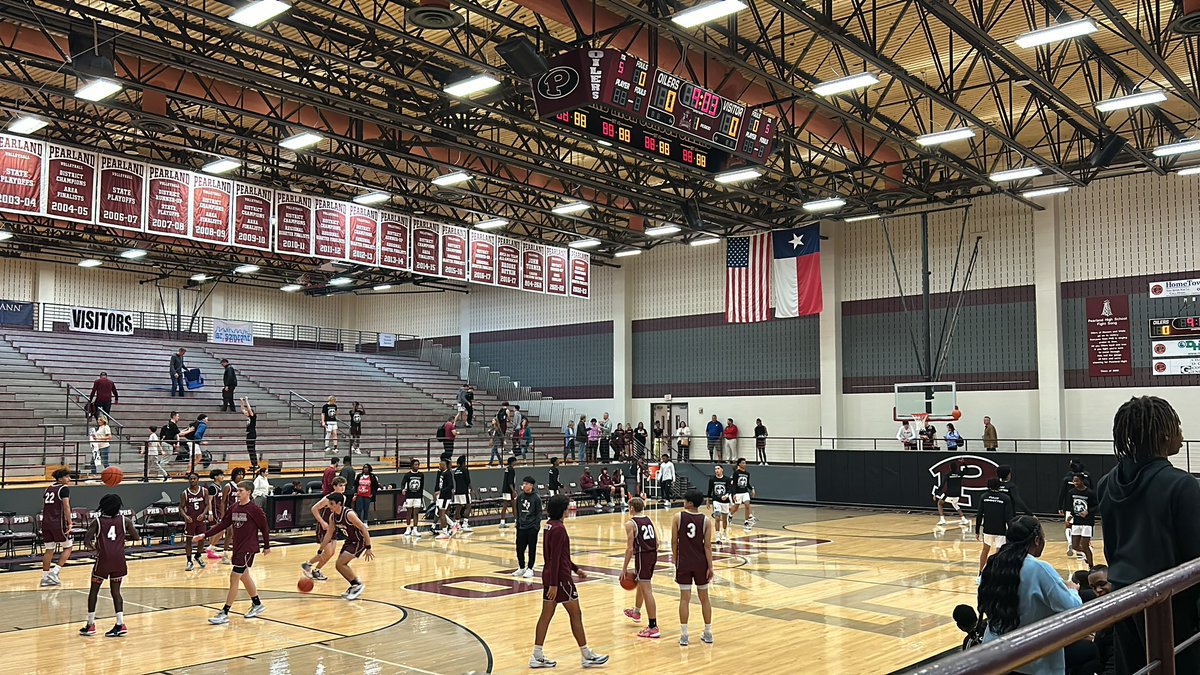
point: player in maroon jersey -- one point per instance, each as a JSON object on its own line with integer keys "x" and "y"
{"x": 325, "y": 549}
{"x": 195, "y": 503}
{"x": 691, "y": 549}
{"x": 248, "y": 522}
{"x": 641, "y": 546}
{"x": 56, "y": 526}
{"x": 358, "y": 542}
{"x": 558, "y": 588}
{"x": 106, "y": 534}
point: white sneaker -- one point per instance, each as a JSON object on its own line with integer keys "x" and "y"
{"x": 541, "y": 662}
{"x": 355, "y": 591}
{"x": 444, "y": 534}
{"x": 683, "y": 640}
{"x": 219, "y": 619}
{"x": 255, "y": 610}
{"x": 595, "y": 660}
{"x": 466, "y": 527}
{"x": 519, "y": 572}
{"x": 528, "y": 573}
{"x": 941, "y": 521}
{"x": 706, "y": 637}
{"x": 502, "y": 526}
{"x": 963, "y": 521}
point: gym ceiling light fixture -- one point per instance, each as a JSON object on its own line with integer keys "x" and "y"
{"x": 372, "y": 198}
{"x": 1045, "y": 192}
{"x": 200, "y": 277}
{"x": 737, "y": 176}
{"x": 844, "y": 84}
{"x": 448, "y": 179}
{"x": 823, "y": 205}
{"x": 341, "y": 281}
{"x": 221, "y": 166}
{"x": 707, "y": 11}
{"x": 290, "y": 288}
{"x": 491, "y": 224}
{"x": 90, "y": 262}
{"x": 571, "y": 208}
{"x": 1057, "y": 33}
{"x": 27, "y": 124}
{"x": 704, "y": 241}
{"x": 133, "y": 254}
{"x": 1132, "y": 100}
{"x": 584, "y": 243}
{"x": 304, "y": 139}
{"x": 245, "y": 269}
{"x": 259, "y": 12}
{"x": 98, "y": 90}
{"x": 1015, "y": 174}
{"x": 858, "y": 219}
{"x": 471, "y": 84}
{"x": 1176, "y": 148}
{"x": 662, "y": 230}
{"x": 5, "y": 235}
{"x": 943, "y": 137}
{"x": 627, "y": 253}
{"x": 383, "y": 287}
{"x": 1190, "y": 171}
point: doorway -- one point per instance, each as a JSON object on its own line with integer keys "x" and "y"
{"x": 669, "y": 415}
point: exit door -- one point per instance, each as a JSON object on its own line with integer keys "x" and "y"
{"x": 670, "y": 416}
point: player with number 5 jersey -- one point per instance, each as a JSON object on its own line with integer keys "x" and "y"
{"x": 642, "y": 547}
{"x": 691, "y": 549}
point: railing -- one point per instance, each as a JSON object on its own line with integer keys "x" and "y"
{"x": 82, "y": 407}
{"x": 312, "y": 408}
{"x": 1150, "y": 596}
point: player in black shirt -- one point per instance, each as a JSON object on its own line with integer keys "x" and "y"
{"x": 1083, "y": 516}
{"x": 552, "y": 481}
{"x": 1064, "y": 496}
{"x": 720, "y": 494}
{"x": 950, "y": 493}
{"x": 329, "y": 422}
{"x": 462, "y": 494}
{"x": 743, "y": 490}
{"x": 508, "y": 490}
{"x": 357, "y": 412}
{"x": 445, "y": 497}
{"x": 414, "y": 497}
{"x": 1008, "y": 487}
{"x": 995, "y": 510}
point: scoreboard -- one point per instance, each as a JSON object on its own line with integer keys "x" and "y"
{"x": 602, "y": 80}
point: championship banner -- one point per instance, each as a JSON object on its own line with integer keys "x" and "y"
{"x": 232, "y": 332}
{"x": 483, "y": 258}
{"x": 581, "y": 275}
{"x": 169, "y": 194}
{"x": 212, "y": 208}
{"x": 508, "y": 263}
{"x": 454, "y": 252}
{"x": 70, "y": 187}
{"x": 14, "y": 313}
{"x": 252, "y": 216}
{"x": 426, "y": 245}
{"x": 109, "y": 321}
{"x": 556, "y": 270}
{"x": 21, "y": 168}
{"x": 364, "y": 235}
{"x": 293, "y": 223}
{"x": 394, "y": 235}
{"x": 329, "y": 227}
{"x": 122, "y": 198}
{"x": 533, "y": 268}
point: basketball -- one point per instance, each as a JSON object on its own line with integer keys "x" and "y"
{"x": 305, "y": 585}
{"x": 112, "y": 476}
{"x": 628, "y": 581}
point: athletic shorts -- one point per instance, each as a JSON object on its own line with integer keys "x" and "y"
{"x": 242, "y": 562}
{"x": 331, "y": 426}
{"x": 460, "y": 407}
{"x": 952, "y": 501}
{"x": 195, "y": 527}
{"x": 55, "y": 533}
{"x": 444, "y": 504}
{"x": 644, "y": 564}
{"x": 414, "y": 503}
{"x": 1081, "y": 531}
{"x": 461, "y": 499}
{"x": 566, "y": 592}
{"x": 354, "y": 547}
{"x": 994, "y": 540}
{"x": 321, "y": 535}
{"x": 720, "y": 508}
{"x": 741, "y": 498}
{"x": 109, "y": 571}
{"x": 687, "y": 578}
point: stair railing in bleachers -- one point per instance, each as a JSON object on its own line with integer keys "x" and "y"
{"x": 312, "y": 409}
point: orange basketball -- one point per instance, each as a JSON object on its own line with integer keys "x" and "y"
{"x": 305, "y": 585}
{"x": 957, "y": 414}
{"x": 112, "y": 476}
{"x": 628, "y": 581}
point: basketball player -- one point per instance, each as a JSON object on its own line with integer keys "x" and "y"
{"x": 950, "y": 493}
{"x": 56, "y": 526}
{"x": 445, "y": 498}
{"x": 742, "y": 492}
{"x": 329, "y": 421}
{"x": 321, "y": 512}
{"x": 528, "y": 516}
{"x": 691, "y": 549}
{"x": 1083, "y": 517}
{"x": 508, "y": 490}
{"x": 358, "y": 542}
{"x": 995, "y": 510}
{"x": 106, "y": 535}
{"x": 195, "y": 504}
{"x": 414, "y": 497}
{"x": 228, "y": 497}
{"x": 719, "y": 490}
{"x": 462, "y": 494}
{"x": 641, "y": 545}
{"x": 1064, "y": 497}
{"x": 248, "y": 522}
{"x": 559, "y": 589}
{"x": 216, "y": 491}
{"x": 552, "y": 481}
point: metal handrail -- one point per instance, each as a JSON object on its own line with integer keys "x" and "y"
{"x": 83, "y": 408}
{"x": 312, "y": 408}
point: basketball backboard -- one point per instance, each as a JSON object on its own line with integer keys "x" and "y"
{"x": 939, "y": 400}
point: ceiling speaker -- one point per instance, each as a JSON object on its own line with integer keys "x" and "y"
{"x": 522, "y": 57}
{"x": 92, "y": 51}
{"x": 691, "y": 215}
{"x": 1106, "y": 153}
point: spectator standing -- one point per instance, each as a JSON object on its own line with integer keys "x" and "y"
{"x": 463, "y": 406}
{"x": 502, "y": 417}
{"x": 928, "y": 436}
{"x": 329, "y": 422}
{"x": 685, "y": 441}
{"x": 347, "y": 473}
{"x": 177, "y": 372}
{"x": 155, "y": 452}
{"x": 357, "y": 412}
{"x": 760, "y": 441}
{"x": 446, "y": 435}
{"x": 101, "y": 436}
{"x": 731, "y": 435}
{"x": 657, "y": 434}
{"x": 195, "y": 435}
{"x": 497, "y": 442}
{"x": 908, "y": 439}
{"x": 991, "y": 440}
{"x": 606, "y": 427}
{"x": 569, "y": 442}
{"x": 526, "y": 436}
{"x": 328, "y": 475}
{"x": 953, "y": 439}
{"x": 168, "y": 435}
{"x": 366, "y": 489}
{"x": 714, "y": 431}
{"x": 516, "y": 425}
{"x": 616, "y": 442}
{"x": 229, "y": 384}
{"x": 103, "y": 395}
{"x": 593, "y": 440}
{"x": 666, "y": 479}
{"x": 639, "y": 439}
{"x": 251, "y": 432}
{"x": 581, "y": 439}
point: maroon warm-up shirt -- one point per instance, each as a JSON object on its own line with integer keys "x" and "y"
{"x": 556, "y": 552}
{"x": 327, "y": 479}
{"x": 248, "y": 520}
{"x": 104, "y": 390}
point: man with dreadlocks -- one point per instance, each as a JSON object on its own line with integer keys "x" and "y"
{"x": 1149, "y": 510}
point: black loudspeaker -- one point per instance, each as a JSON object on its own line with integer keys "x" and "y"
{"x": 522, "y": 57}
{"x": 92, "y": 51}
{"x": 691, "y": 215}
{"x": 1106, "y": 153}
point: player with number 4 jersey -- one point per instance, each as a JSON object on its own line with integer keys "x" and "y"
{"x": 106, "y": 534}
{"x": 642, "y": 547}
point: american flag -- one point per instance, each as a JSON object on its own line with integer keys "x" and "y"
{"x": 747, "y": 278}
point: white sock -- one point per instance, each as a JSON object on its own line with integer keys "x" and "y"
{"x": 54, "y": 570}
{"x": 708, "y": 628}
{"x": 683, "y": 630}
{"x": 120, "y": 618}
{"x": 586, "y": 652}
{"x": 537, "y": 651}
{"x": 91, "y": 618}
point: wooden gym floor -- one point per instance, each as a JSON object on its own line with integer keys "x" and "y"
{"x": 810, "y": 590}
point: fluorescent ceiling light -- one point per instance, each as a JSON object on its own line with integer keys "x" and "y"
{"x": 584, "y": 243}
{"x": 259, "y": 12}
{"x": 821, "y": 205}
{"x": 1016, "y": 174}
{"x": 1190, "y": 171}
{"x": 383, "y": 287}
{"x": 220, "y": 166}
{"x": 5, "y": 235}
{"x": 472, "y": 85}
{"x": 856, "y": 219}
{"x": 1043, "y": 192}
{"x": 290, "y": 288}
{"x": 1176, "y": 148}
{"x": 628, "y": 252}
{"x": 737, "y": 176}
{"x": 844, "y": 84}
{"x": 1062, "y": 31}
{"x": 304, "y": 139}
{"x": 340, "y": 281}
{"x": 1132, "y": 100}
{"x": 245, "y": 269}
{"x": 452, "y": 178}
{"x": 573, "y": 207}
{"x": 704, "y": 241}
{"x": 90, "y": 262}
{"x": 707, "y": 11}
{"x": 491, "y": 224}
{"x": 27, "y": 124}
{"x": 607, "y": 144}
{"x": 943, "y": 137}
{"x": 200, "y": 277}
{"x": 372, "y": 198}
{"x": 133, "y": 254}
{"x": 98, "y": 90}
{"x": 662, "y": 230}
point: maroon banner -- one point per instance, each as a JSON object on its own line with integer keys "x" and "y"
{"x": 252, "y": 216}
{"x": 454, "y": 252}
{"x": 426, "y": 245}
{"x": 167, "y": 209}
{"x": 122, "y": 193}
{"x": 556, "y": 270}
{"x": 71, "y": 184}
{"x": 508, "y": 263}
{"x": 212, "y": 208}
{"x": 483, "y": 258}
{"x": 394, "y": 233}
{"x": 293, "y": 223}
{"x": 329, "y": 223}
{"x": 581, "y": 275}
{"x": 21, "y": 172}
{"x": 1110, "y": 353}
{"x": 363, "y": 225}
{"x": 533, "y": 268}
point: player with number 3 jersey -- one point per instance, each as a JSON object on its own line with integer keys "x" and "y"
{"x": 691, "y": 549}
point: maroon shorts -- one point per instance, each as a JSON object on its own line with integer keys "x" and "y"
{"x": 54, "y": 532}
{"x": 112, "y": 570}
{"x": 687, "y": 578}
{"x": 354, "y": 546}
{"x": 195, "y": 527}
{"x": 242, "y": 562}
{"x": 644, "y": 563}
{"x": 566, "y": 592}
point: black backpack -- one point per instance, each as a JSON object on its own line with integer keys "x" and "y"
{"x": 441, "y": 431}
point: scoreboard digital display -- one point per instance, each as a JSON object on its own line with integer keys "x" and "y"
{"x": 608, "y": 78}
{"x": 626, "y": 134}
{"x": 1179, "y": 326}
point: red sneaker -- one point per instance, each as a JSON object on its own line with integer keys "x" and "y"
{"x": 649, "y": 633}
{"x": 633, "y": 614}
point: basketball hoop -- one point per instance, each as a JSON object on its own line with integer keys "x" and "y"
{"x": 921, "y": 419}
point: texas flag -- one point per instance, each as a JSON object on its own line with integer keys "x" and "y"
{"x": 797, "y": 268}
